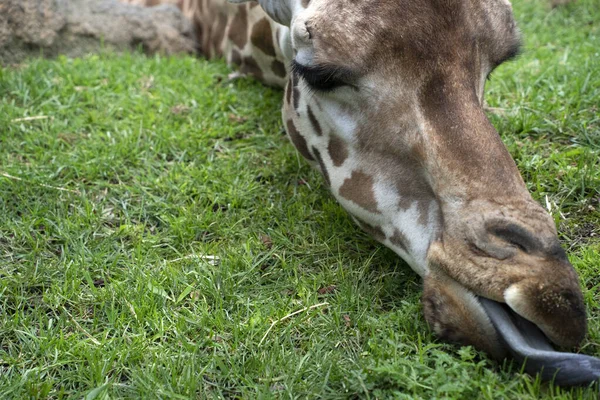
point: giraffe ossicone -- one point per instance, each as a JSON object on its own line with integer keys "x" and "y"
{"x": 385, "y": 98}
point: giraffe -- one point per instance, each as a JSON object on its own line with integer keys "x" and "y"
{"x": 385, "y": 98}
{"x": 243, "y": 34}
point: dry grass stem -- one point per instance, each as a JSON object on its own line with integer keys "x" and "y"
{"x": 288, "y": 317}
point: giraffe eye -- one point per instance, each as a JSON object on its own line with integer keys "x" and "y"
{"x": 320, "y": 77}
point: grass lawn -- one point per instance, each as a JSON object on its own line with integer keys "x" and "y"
{"x": 160, "y": 238}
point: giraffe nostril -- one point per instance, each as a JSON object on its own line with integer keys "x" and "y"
{"x": 308, "y": 30}
{"x": 301, "y": 33}
{"x": 514, "y": 235}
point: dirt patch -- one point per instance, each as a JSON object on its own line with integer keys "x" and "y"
{"x": 29, "y": 28}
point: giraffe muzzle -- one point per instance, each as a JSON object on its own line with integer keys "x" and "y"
{"x": 523, "y": 282}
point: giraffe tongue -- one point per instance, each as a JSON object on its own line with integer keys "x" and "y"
{"x": 529, "y": 345}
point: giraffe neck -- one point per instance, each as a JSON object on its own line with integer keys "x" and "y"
{"x": 242, "y": 34}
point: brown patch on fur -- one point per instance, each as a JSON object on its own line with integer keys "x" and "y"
{"x": 314, "y": 122}
{"x": 338, "y": 150}
{"x": 236, "y": 57}
{"x": 374, "y": 231}
{"x": 219, "y": 33}
{"x": 399, "y": 239}
{"x": 278, "y": 68}
{"x": 238, "y": 29}
{"x": 296, "y": 97}
{"x": 359, "y": 189}
{"x": 288, "y": 91}
{"x": 206, "y": 44}
{"x": 298, "y": 140}
{"x": 296, "y": 92}
{"x": 423, "y": 207}
{"x": 406, "y": 201}
{"x": 262, "y": 37}
{"x": 199, "y": 33}
{"x": 322, "y": 165}
{"x": 305, "y": 3}
{"x": 250, "y": 67}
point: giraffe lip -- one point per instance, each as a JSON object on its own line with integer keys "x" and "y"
{"x": 529, "y": 346}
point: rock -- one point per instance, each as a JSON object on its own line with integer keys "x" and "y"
{"x": 75, "y": 27}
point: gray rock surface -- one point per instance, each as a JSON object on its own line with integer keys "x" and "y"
{"x": 75, "y": 27}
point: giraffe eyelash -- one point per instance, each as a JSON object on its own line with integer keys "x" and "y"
{"x": 320, "y": 77}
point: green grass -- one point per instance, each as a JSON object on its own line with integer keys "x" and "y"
{"x": 140, "y": 167}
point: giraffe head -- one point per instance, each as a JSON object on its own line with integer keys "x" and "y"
{"x": 386, "y": 99}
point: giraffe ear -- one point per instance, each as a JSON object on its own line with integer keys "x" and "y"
{"x": 279, "y": 10}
